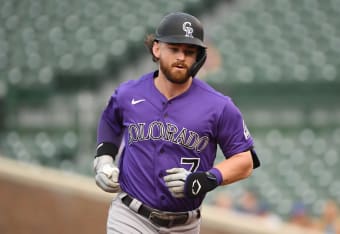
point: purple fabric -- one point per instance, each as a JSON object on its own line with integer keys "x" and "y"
{"x": 160, "y": 134}
{"x": 217, "y": 174}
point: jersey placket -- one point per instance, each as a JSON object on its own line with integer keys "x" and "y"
{"x": 161, "y": 150}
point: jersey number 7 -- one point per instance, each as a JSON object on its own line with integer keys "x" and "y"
{"x": 193, "y": 162}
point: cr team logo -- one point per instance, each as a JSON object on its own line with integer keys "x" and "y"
{"x": 187, "y": 29}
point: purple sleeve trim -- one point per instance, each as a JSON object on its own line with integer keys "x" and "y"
{"x": 218, "y": 175}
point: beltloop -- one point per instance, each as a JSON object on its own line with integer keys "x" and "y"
{"x": 171, "y": 222}
{"x": 191, "y": 215}
{"x": 122, "y": 195}
{"x": 135, "y": 205}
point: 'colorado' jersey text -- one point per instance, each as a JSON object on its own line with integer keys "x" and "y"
{"x": 158, "y": 130}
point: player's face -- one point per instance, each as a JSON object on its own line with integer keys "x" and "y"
{"x": 175, "y": 61}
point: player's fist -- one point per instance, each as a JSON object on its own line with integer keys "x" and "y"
{"x": 107, "y": 174}
{"x": 175, "y": 181}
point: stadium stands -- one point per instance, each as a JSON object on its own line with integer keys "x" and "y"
{"x": 298, "y": 165}
{"x": 39, "y": 39}
{"x": 271, "y": 41}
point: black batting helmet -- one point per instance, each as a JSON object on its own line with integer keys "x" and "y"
{"x": 183, "y": 28}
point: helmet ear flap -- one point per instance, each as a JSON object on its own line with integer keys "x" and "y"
{"x": 201, "y": 58}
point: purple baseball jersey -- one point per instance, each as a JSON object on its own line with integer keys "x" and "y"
{"x": 160, "y": 134}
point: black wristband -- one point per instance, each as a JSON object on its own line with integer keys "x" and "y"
{"x": 256, "y": 160}
{"x": 199, "y": 183}
{"x": 106, "y": 148}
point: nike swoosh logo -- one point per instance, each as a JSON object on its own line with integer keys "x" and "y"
{"x": 134, "y": 102}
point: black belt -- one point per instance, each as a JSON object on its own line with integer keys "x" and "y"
{"x": 164, "y": 219}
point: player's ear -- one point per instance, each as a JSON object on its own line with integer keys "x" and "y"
{"x": 156, "y": 49}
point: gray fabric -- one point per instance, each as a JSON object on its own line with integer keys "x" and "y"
{"x": 122, "y": 219}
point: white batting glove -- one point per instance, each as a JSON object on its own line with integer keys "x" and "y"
{"x": 107, "y": 174}
{"x": 175, "y": 181}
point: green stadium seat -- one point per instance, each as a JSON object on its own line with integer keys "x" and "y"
{"x": 298, "y": 38}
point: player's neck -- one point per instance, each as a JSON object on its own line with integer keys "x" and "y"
{"x": 170, "y": 89}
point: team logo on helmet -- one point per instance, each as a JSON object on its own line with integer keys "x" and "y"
{"x": 187, "y": 29}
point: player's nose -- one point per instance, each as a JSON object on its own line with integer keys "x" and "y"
{"x": 180, "y": 55}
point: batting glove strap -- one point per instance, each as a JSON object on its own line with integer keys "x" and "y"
{"x": 199, "y": 183}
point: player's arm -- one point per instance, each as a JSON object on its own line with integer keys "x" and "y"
{"x": 108, "y": 140}
{"x": 235, "y": 168}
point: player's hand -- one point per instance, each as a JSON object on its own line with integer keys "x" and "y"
{"x": 107, "y": 174}
{"x": 175, "y": 181}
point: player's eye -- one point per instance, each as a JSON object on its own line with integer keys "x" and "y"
{"x": 190, "y": 52}
{"x": 173, "y": 46}
{"x": 173, "y": 49}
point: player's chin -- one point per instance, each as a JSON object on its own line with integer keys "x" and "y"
{"x": 180, "y": 77}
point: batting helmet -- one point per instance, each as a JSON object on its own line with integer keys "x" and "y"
{"x": 183, "y": 28}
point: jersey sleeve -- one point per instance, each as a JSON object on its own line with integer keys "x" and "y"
{"x": 233, "y": 135}
{"x": 110, "y": 123}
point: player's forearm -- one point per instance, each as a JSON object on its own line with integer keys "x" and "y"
{"x": 235, "y": 168}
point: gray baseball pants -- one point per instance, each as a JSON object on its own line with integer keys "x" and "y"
{"x": 124, "y": 220}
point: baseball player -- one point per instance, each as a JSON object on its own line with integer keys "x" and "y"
{"x": 167, "y": 126}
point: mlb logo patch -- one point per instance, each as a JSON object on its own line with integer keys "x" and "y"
{"x": 245, "y": 131}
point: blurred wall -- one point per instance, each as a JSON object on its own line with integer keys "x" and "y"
{"x": 37, "y": 200}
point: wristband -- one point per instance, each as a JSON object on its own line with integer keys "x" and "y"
{"x": 217, "y": 174}
{"x": 106, "y": 148}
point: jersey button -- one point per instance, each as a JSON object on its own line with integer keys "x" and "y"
{"x": 161, "y": 150}
{"x": 162, "y": 198}
{"x": 166, "y": 115}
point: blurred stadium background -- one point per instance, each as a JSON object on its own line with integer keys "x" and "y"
{"x": 278, "y": 59}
